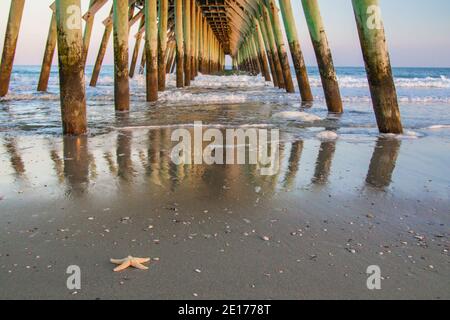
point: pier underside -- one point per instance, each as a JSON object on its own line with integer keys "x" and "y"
{"x": 188, "y": 37}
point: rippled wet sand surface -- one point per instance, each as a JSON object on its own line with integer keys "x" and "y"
{"x": 310, "y": 231}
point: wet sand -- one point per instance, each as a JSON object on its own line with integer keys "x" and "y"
{"x": 224, "y": 232}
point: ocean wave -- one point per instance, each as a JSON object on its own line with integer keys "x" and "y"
{"x": 441, "y": 82}
{"x": 208, "y": 81}
{"x": 439, "y": 127}
{"x": 30, "y": 96}
{"x": 297, "y": 115}
{"x": 247, "y": 89}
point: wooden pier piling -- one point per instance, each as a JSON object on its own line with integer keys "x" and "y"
{"x": 179, "y": 36}
{"x": 378, "y": 65}
{"x": 49, "y": 53}
{"x": 101, "y": 52}
{"x": 323, "y": 55}
{"x": 89, "y": 18}
{"x": 296, "y": 51}
{"x": 192, "y": 41}
{"x": 268, "y": 51}
{"x": 71, "y": 67}
{"x": 137, "y": 46}
{"x": 10, "y": 44}
{"x": 163, "y": 14}
{"x": 273, "y": 47}
{"x": 151, "y": 49}
{"x": 279, "y": 40}
{"x": 187, "y": 41}
{"x": 121, "y": 30}
{"x": 262, "y": 50}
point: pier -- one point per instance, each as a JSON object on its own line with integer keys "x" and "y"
{"x": 192, "y": 37}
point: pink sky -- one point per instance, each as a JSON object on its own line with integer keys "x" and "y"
{"x": 418, "y": 31}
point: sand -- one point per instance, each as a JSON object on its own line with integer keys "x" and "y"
{"x": 224, "y": 232}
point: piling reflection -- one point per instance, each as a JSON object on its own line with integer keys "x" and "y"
{"x": 15, "y": 158}
{"x": 383, "y": 162}
{"x": 123, "y": 154}
{"x": 108, "y": 156}
{"x": 76, "y": 164}
{"x": 294, "y": 163}
{"x": 143, "y": 159}
{"x": 58, "y": 165}
{"x": 324, "y": 162}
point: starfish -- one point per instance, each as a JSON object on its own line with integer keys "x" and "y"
{"x": 130, "y": 261}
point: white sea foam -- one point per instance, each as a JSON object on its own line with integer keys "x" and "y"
{"x": 182, "y": 96}
{"x": 297, "y": 115}
{"x": 327, "y": 136}
{"x": 439, "y": 126}
{"x": 206, "y": 81}
{"x": 361, "y": 82}
{"x": 407, "y": 135}
{"x": 27, "y": 96}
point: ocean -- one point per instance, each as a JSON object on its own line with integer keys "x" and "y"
{"x": 424, "y": 96}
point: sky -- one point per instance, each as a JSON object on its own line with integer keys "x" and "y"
{"x": 418, "y": 32}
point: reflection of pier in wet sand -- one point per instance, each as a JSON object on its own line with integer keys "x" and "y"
{"x": 79, "y": 165}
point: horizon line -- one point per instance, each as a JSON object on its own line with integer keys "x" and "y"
{"x": 308, "y": 66}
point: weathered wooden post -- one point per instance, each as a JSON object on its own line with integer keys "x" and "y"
{"x": 179, "y": 37}
{"x": 137, "y": 47}
{"x": 255, "y": 56}
{"x": 187, "y": 41}
{"x": 205, "y": 46}
{"x": 170, "y": 58}
{"x": 71, "y": 67}
{"x": 151, "y": 49}
{"x": 279, "y": 40}
{"x": 101, "y": 52}
{"x": 193, "y": 31}
{"x": 208, "y": 50}
{"x": 323, "y": 56}
{"x": 121, "y": 30}
{"x": 296, "y": 51}
{"x": 200, "y": 42}
{"x": 273, "y": 46}
{"x": 268, "y": 51}
{"x": 262, "y": 50}
{"x": 10, "y": 44}
{"x": 143, "y": 60}
{"x": 378, "y": 65}
{"x": 94, "y": 7}
{"x": 163, "y": 13}
{"x": 89, "y": 18}
{"x": 49, "y": 53}
{"x": 245, "y": 56}
{"x": 197, "y": 39}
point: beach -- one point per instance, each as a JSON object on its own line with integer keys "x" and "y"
{"x": 344, "y": 198}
